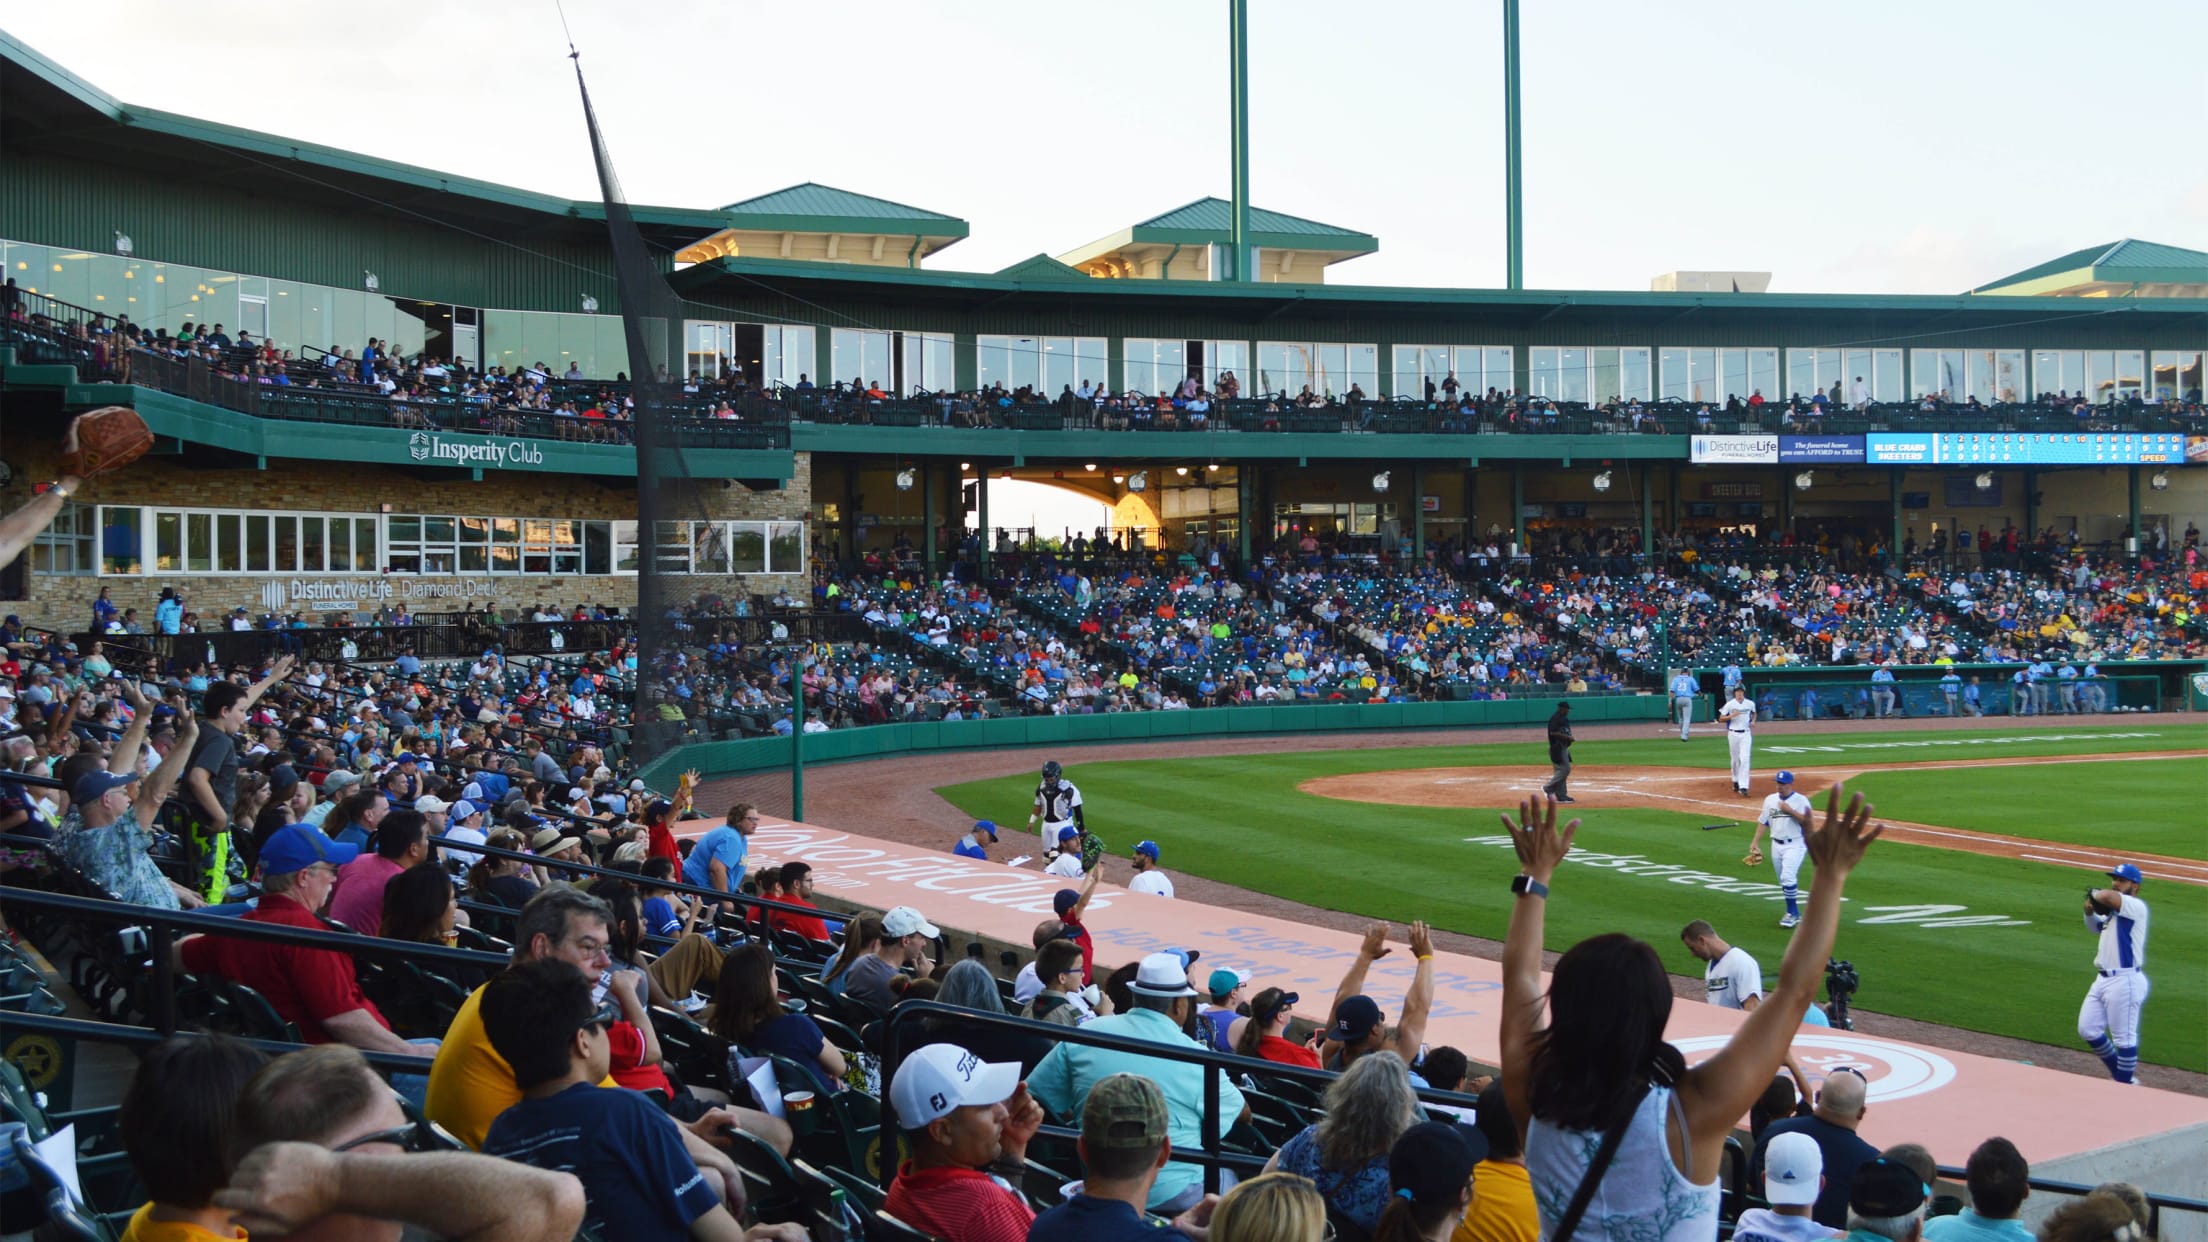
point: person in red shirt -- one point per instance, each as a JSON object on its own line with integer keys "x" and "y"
{"x": 1071, "y": 905}
{"x": 1263, "y": 1035}
{"x": 968, "y": 1122}
{"x": 313, "y": 989}
{"x": 797, "y": 889}
{"x": 659, "y": 831}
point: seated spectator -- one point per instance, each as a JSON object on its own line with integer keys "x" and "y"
{"x": 318, "y": 1131}
{"x": 315, "y": 990}
{"x": 665, "y": 911}
{"x": 860, "y": 938}
{"x": 401, "y": 841}
{"x": 674, "y": 976}
{"x": 2000, "y": 1180}
{"x": 1026, "y": 985}
{"x": 1123, "y": 1144}
{"x": 969, "y": 985}
{"x": 501, "y": 881}
{"x": 1430, "y": 1171}
{"x": 1223, "y": 1016}
{"x": 630, "y": 1156}
{"x": 420, "y": 905}
{"x": 175, "y": 1124}
{"x": 1346, "y": 1152}
{"x": 1832, "y": 1124}
{"x": 905, "y": 940}
{"x": 2099, "y": 1217}
{"x": 967, "y": 1122}
{"x": 797, "y": 889}
{"x": 1264, "y": 1035}
{"x": 748, "y": 1011}
{"x": 1357, "y": 1027}
{"x": 1793, "y": 1177}
{"x": 1886, "y": 1203}
{"x": 1058, "y": 968}
{"x": 1273, "y": 1207}
{"x": 1502, "y": 1196}
{"x": 1160, "y": 1006}
{"x": 2142, "y": 1213}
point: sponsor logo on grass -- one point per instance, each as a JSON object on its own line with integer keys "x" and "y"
{"x": 1641, "y": 865}
{"x": 1894, "y": 1071}
{"x": 2006, "y": 740}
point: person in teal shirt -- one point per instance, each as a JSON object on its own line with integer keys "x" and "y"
{"x": 1999, "y": 1181}
{"x": 1164, "y": 1004}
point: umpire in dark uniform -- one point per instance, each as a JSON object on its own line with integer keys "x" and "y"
{"x": 1560, "y": 751}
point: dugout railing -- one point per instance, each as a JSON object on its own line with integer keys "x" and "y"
{"x": 1854, "y": 699}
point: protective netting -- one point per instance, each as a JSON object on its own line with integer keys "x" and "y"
{"x": 667, "y": 496}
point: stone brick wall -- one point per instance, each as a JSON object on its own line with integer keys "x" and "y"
{"x": 340, "y": 487}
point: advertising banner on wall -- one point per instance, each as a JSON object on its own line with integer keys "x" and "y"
{"x": 1893, "y": 448}
{"x": 1735, "y": 450}
{"x": 1833, "y": 450}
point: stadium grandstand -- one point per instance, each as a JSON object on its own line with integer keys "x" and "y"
{"x": 348, "y": 807}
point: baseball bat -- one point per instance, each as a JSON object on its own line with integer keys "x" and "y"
{"x": 1714, "y": 827}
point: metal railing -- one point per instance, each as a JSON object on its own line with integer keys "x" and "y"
{"x": 2156, "y": 1203}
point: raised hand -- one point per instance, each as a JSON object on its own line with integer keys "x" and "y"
{"x": 1534, "y": 834}
{"x": 1422, "y": 940}
{"x": 1375, "y": 946}
{"x": 1847, "y": 832}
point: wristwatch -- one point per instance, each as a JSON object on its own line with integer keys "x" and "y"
{"x": 1523, "y": 885}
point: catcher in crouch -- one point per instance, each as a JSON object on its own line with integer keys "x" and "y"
{"x": 1786, "y": 813}
{"x": 98, "y": 441}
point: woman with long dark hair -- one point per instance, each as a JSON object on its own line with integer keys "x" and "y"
{"x": 420, "y": 904}
{"x": 1601, "y": 1068}
{"x": 1430, "y": 1173}
{"x": 862, "y": 937}
{"x": 747, "y": 1010}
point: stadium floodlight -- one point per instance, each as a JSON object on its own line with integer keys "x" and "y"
{"x": 2161, "y": 481}
{"x": 1602, "y": 481}
{"x": 905, "y": 478}
{"x": 369, "y": 279}
{"x": 1984, "y": 481}
{"x": 122, "y": 242}
{"x": 1139, "y": 480}
{"x": 590, "y": 305}
{"x": 1804, "y": 480}
{"x": 1380, "y": 481}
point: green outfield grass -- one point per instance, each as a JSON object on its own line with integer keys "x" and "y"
{"x": 2157, "y": 806}
{"x": 1964, "y": 940}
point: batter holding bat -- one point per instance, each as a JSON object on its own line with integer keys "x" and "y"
{"x": 1786, "y": 813}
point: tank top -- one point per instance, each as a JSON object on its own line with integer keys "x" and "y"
{"x": 1643, "y": 1196}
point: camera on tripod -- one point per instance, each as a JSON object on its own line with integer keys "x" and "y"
{"x": 1841, "y": 983}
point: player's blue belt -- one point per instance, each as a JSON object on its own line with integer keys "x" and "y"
{"x": 2120, "y": 970}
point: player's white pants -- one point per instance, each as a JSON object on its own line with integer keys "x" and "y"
{"x": 2112, "y": 1007}
{"x": 1742, "y": 744}
{"x": 1786, "y": 859}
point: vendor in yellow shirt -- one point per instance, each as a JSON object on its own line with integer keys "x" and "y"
{"x": 175, "y": 1126}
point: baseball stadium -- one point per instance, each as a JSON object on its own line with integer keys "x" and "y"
{"x": 602, "y": 701}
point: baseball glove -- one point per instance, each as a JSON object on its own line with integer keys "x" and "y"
{"x": 1754, "y": 857}
{"x": 102, "y": 440}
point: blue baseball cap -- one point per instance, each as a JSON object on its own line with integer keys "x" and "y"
{"x": 1786, "y": 778}
{"x": 1068, "y": 833}
{"x": 1355, "y": 1019}
{"x": 296, "y": 847}
{"x": 408, "y": 757}
{"x": 93, "y": 786}
{"x": 1148, "y": 849}
{"x": 988, "y": 826}
{"x": 2121, "y": 871}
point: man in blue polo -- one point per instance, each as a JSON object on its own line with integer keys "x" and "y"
{"x": 1682, "y": 700}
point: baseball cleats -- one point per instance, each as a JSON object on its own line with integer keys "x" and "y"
{"x": 1566, "y": 798}
{"x": 1788, "y": 921}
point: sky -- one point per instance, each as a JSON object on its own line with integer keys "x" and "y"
{"x": 1875, "y": 147}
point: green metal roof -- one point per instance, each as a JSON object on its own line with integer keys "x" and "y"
{"x": 815, "y": 208}
{"x": 1040, "y": 267}
{"x": 15, "y": 54}
{"x": 1210, "y": 221}
{"x": 2127, "y": 260}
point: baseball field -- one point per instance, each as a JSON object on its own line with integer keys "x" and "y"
{"x": 1967, "y": 914}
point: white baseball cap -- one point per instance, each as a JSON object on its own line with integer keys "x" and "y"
{"x": 902, "y": 921}
{"x": 1793, "y": 1170}
{"x": 941, "y": 1077}
{"x": 1162, "y": 974}
{"x": 429, "y": 805}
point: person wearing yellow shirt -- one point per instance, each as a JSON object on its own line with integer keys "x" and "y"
{"x": 175, "y": 1125}
{"x": 1502, "y": 1194}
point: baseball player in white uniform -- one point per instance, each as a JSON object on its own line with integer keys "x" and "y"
{"x": 1066, "y": 862}
{"x": 1730, "y": 978}
{"x": 1147, "y": 877}
{"x": 1057, "y": 803}
{"x": 1787, "y": 814}
{"x": 2108, "y": 1022}
{"x": 1738, "y": 715}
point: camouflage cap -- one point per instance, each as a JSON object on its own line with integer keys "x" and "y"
{"x": 1123, "y": 1112}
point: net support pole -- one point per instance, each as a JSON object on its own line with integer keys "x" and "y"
{"x": 1514, "y": 269}
{"x": 1243, "y": 260}
{"x": 988, "y": 537}
{"x": 797, "y": 738}
{"x": 927, "y": 516}
{"x": 2135, "y": 546}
